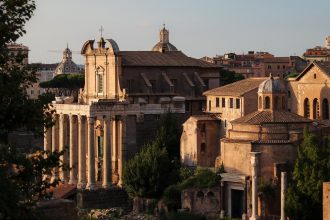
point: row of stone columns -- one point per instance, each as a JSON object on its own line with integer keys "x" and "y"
{"x": 80, "y": 146}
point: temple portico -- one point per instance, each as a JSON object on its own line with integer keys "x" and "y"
{"x": 94, "y": 139}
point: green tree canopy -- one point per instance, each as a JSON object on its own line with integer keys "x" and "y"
{"x": 228, "y": 77}
{"x": 312, "y": 168}
{"x": 65, "y": 81}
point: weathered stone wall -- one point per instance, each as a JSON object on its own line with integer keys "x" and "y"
{"x": 202, "y": 201}
{"x": 102, "y": 198}
{"x": 326, "y": 201}
{"x": 57, "y": 209}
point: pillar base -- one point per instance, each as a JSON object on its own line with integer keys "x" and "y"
{"x": 91, "y": 186}
{"x": 106, "y": 185}
{"x": 72, "y": 181}
{"x": 222, "y": 214}
{"x": 81, "y": 185}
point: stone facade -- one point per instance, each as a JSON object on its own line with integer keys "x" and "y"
{"x": 326, "y": 201}
{"x": 200, "y": 141}
{"x": 118, "y": 110}
{"x": 202, "y": 201}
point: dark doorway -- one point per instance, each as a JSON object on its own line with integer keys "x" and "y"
{"x": 237, "y": 201}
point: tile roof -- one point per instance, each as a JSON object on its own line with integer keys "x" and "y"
{"x": 277, "y": 60}
{"x": 155, "y": 58}
{"x": 323, "y": 65}
{"x": 268, "y": 117}
{"x": 238, "y": 88}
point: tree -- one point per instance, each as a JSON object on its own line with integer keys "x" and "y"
{"x": 168, "y": 135}
{"x": 149, "y": 172}
{"x": 17, "y": 111}
{"x": 228, "y": 77}
{"x": 22, "y": 177}
{"x": 312, "y": 168}
{"x": 65, "y": 83}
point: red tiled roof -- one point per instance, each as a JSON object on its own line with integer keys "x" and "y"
{"x": 237, "y": 88}
{"x": 155, "y": 58}
{"x": 268, "y": 117}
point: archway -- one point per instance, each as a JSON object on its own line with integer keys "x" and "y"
{"x": 325, "y": 109}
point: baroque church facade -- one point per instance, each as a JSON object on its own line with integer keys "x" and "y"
{"x": 124, "y": 95}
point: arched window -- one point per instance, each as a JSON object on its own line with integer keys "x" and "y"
{"x": 276, "y": 103}
{"x": 267, "y": 102}
{"x": 260, "y": 102}
{"x": 306, "y": 108}
{"x": 316, "y": 109}
{"x": 325, "y": 109}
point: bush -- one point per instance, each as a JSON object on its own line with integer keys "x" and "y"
{"x": 172, "y": 197}
{"x": 203, "y": 178}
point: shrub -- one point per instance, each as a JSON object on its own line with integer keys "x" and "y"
{"x": 203, "y": 178}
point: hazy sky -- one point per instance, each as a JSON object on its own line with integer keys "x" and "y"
{"x": 197, "y": 27}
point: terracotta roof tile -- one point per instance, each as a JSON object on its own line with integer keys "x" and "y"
{"x": 237, "y": 88}
{"x": 155, "y": 58}
{"x": 265, "y": 117}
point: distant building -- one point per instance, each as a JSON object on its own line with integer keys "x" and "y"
{"x": 16, "y": 49}
{"x": 258, "y": 64}
{"x": 318, "y": 53}
{"x": 67, "y": 65}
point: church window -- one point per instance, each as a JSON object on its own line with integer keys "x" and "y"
{"x": 210, "y": 105}
{"x": 238, "y": 103}
{"x": 325, "y": 109}
{"x": 99, "y": 83}
{"x": 231, "y": 103}
{"x": 316, "y": 109}
{"x": 267, "y": 102}
{"x": 314, "y": 75}
{"x": 223, "y": 104}
{"x": 306, "y": 108}
{"x": 217, "y": 102}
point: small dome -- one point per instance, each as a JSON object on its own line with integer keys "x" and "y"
{"x": 164, "y": 42}
{"x": 272, "y": 85}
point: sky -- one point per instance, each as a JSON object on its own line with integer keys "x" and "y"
{"x": 197, "y": 27}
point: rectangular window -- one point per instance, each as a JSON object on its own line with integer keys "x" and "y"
{"x": 238, "y": 103}
{"x": 99, "y": 83}
{"x": 223, "y": 104}
{"x": 231, "y": 103}
{"x": 217, "y": 102}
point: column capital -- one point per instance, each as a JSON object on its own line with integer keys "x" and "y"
{"x": 90, "y": 119}
{"x": 61, "y": 117}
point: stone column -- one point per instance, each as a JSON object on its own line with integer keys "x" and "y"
{"x": 91, "y": 154}
{"x": 72, "y": 144}
{"x": 254, "y": 174}
{"x": 107, "y": 172}
{"x": 283, "y": 192}
{"x": 54, "y": 144}
{"x": 222, "y": 195}
{"x": 122, "y": 148}
{"x": 81, "y": 154}
{"x": 114, "y": 145}
{"x": 47, "y": 139}
{"x": 61, "y": 148}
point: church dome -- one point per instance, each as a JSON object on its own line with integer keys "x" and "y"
{"x": 272, "y": 85}
{"x": 164, "y": 44}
